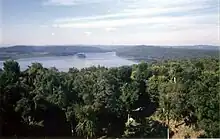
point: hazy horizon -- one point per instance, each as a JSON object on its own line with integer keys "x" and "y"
{"x": 107, "y": 45}
{"x": 109, "y": 22}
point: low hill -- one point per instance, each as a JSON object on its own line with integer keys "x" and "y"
{"x": 21, "y": 51}
{"x": 149, "y": 53}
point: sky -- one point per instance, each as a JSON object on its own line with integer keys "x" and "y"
{"x": 110, "y": 22}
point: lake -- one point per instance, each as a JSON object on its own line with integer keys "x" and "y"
{"x": 63, "y": 63}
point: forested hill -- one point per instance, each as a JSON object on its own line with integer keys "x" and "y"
{"x": 139, "y": 101}
{"x": 20, "y": 51}
{"x": 146, "y": 53}
{"x": 149, "y": 53}
{"x": 203, "y": 47}
{"x": 52, "y": 49}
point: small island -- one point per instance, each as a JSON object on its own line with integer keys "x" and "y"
{"x": 81, "y": 55}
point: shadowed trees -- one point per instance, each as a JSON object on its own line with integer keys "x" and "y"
{"x": 111, "y": 102}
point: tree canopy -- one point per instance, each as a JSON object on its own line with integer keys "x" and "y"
{"x": 110, "y": 102}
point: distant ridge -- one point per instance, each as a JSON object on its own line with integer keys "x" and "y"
{"x": 207, "y": 47}
{"x": 135, "y": 51}
{"x": 200, "y": 46}
{"x": 149, "y": 53}
{"x": 22, "y": 51}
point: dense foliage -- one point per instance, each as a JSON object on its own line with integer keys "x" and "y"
{"x": 110, "y": 102}
{"x": 152, "y": 53}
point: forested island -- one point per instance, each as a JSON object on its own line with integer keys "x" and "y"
{"x": 139, "y": 101}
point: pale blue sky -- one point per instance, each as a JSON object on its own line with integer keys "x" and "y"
{"x": 157, "y": 22}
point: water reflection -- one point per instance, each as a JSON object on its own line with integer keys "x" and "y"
{"x": 63, "y": 63}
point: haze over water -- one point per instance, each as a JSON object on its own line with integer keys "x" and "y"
{"x": 63, "y": 63}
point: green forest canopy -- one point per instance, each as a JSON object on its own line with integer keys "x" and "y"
{"x": 99, "y": 101}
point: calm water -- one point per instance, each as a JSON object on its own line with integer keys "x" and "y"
{"x": 63, "y": 63}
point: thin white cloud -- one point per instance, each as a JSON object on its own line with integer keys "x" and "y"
{"x": 132, "y": 12}
{"x": 139, "y": 21}
{"x": 167, "y": 3}
{"x": 88, "y": 33}
{"x": 43, "y": 26}
{"x": 110, "y": 29}
{"x": 70, "y": 2}
{"x": 153, "y": 13}
{"x": 59, "y": 2}
{"x": 132, "y": 21}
